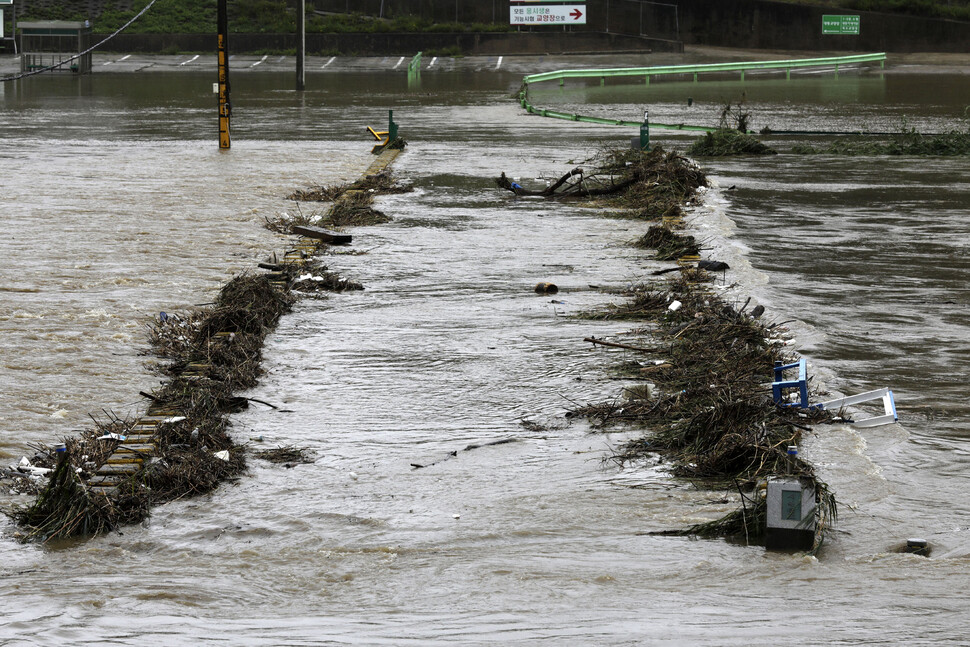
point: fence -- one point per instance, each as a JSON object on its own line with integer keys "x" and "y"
{"x": 659, "y": 20}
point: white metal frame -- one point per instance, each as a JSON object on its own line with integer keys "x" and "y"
{"x": 889, "y": 404}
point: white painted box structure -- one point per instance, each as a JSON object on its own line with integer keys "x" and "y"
{"x": 790, "y": 522}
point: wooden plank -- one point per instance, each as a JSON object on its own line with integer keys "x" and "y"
{"x": 113, "y": 479}
{"x": 120, "y": 468}
{"x": 331, "y": 237}
{"x": 130, "y": 447}
{"x": 126, "y": 459}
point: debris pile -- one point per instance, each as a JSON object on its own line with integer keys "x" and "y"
{"x": 382, "y": 183}
{"x": 113, "y": 474}
{"x": 728, "y": 141}
{"x": 352, "y": 203}
{"x": 287, "y": 455}
{"x": 283, "y": 223}
{"x": 354, "y": 209}
{"x": 704, "y": 396}
{"x": 211, "y": 354}
{"x": 668, "y": 246}
{"x": 905, "y": 142}
{"x": 322, "y": 280}
{"x": 651, "y": 185}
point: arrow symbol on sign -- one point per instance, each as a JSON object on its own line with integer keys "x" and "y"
{"x": 576, "y": 14}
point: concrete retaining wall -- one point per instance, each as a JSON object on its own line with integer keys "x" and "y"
{"x": 398, "y": 44}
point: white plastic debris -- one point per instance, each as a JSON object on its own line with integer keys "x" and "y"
{"x": 674, "y": 306}
{"x": 456, "y": 516}
{"x": 353, "y": 475}
{"x": 112, "y": 436}
{"x": 25, "y": 467}
{"x": 172, "y": 420}
{"x": 304, "y": 277}
{"x": 223, "y": 455}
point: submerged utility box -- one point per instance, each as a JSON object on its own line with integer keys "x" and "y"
{"x": 790, "y": 523}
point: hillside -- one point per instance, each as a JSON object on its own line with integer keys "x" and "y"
{"x": 245, "y": 16}
{"x": 948, "y": 9}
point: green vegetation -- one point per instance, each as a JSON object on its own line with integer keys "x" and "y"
{"x": 731, "y": 136}
{"x": 357, "y": 23}
{"x": 952, "y": 9}
{"x": 908, "y": 142}
{"x": 245, "y": 17}
{"x": 727, "y": 141}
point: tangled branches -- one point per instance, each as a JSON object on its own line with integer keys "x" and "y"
{"x": 654, "y": 181}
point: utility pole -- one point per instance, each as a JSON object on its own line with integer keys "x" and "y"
{"x": 222, "y": 28}
{"x": 300, "y": 45}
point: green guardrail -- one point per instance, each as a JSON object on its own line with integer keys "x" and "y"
{"x": 647, "y": 72}
{"x": 414, "y": 67}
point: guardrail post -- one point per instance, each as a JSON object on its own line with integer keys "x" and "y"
{"x": 391, "y": 127}
{"x": 645, "y": 131}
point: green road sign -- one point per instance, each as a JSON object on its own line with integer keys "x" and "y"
{"x": 840, "y": 25}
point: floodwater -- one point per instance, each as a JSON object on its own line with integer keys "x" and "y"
{"x": 118, "y": 204}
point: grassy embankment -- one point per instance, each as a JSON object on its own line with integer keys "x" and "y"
{"x": 245, "y": 17}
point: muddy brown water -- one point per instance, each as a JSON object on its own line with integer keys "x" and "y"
{"x": 117, "y": 205}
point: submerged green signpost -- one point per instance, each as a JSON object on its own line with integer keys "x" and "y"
{"x": 840, "y": 25}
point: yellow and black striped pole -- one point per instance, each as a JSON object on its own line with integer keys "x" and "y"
{"x": 225, "y": 108}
